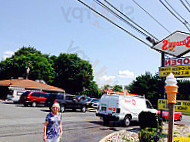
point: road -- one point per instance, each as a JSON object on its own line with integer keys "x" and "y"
{"x": 25, "y": 124}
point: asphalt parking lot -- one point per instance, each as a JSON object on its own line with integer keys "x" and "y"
{"x": 25, "y": 124}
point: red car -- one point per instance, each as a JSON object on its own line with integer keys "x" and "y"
{"x": 165, "y": 115}
{"x": 33, "y": 98}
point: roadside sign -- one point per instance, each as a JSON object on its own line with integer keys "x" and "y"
{"x": 181, "y": 105}
{"x": 176, "y": 44}
{"x": 178, "y": 71}
{"x": 177, "y": 61}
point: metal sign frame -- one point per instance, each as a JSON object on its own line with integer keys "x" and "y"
{"x": 174, "y": 45}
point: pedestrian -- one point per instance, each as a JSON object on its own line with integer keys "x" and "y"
{"x": 52, "y": 127}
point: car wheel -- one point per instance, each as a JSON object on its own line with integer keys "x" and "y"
{"x": 83, "y": 109}
{"x": 34, "y": 104}
{"x": 180, "y": 118}
{"x": 62, "y": 108}
{"x": 127, "y": 121}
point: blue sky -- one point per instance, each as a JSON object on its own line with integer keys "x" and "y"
{"x": 67, "y": 26}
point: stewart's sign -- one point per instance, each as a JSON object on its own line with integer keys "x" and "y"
{"x": 176, "y": 44}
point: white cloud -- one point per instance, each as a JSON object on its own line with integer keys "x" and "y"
{"x": 106, "y": 78}
{"x": 126, "y": 74}
{"x": 7, "y": 54}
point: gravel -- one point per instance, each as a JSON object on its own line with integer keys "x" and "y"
{"x": 132, "y": 135}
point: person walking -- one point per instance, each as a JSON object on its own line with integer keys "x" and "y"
{"x": 52, "y": 127}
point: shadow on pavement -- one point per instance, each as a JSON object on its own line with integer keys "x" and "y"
{"x": 45, "y": 110}
{"x": 114, "y": 123}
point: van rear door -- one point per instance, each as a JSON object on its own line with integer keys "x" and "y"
{"x": 113, "y": 104}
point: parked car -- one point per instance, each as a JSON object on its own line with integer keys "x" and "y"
{"x": 165, "y": 115}
{"x": 53, "y": 98}
{"x": 33, "y": 98}
{"x": 14, "y": 95}
{"x": 93, "y": 103}
{"x": 67, "y": 101}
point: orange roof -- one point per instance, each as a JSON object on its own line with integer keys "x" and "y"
{"x": 28, "y": 84}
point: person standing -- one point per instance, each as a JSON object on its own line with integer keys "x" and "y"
{"x": 52, "y": 127}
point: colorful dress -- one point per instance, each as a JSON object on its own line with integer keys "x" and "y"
{"x": 53, "y": 128}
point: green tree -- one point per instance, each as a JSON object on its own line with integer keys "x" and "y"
{"x": 117, "y": 88}
{"x": 92, "y": 90}
{"x": 107, "y": 87}
{"x": 40, "y": 65}
{"x": 149, "y": 86}
{"x": 184, "y": 90}
{"x": 73, "y": 73}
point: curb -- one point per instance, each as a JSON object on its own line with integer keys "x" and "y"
{"x": 110, "y": 135}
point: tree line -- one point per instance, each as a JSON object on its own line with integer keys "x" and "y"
{"x": 75, "y": 75}
{"x": 66, "y": 71}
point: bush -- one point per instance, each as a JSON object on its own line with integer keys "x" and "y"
{"x": 149, "y": 135}
{"x": 150, "y": 131}
{"x": 148, "y": 120}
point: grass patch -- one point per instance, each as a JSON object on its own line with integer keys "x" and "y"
{"x": 186, "y": 113}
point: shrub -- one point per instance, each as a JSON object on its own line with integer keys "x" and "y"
{"x": 149, "y": 135}
{"x": 150, "y": 131}
{"x": 148, "y": 120}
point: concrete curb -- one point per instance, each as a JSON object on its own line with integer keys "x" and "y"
{"x": 110, "y": 135}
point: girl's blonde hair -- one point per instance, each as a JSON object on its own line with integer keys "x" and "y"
{"x": 56, "y": 105}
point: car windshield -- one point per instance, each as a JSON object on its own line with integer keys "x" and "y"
{"x": 87, "y": 99}
{"x": 95, "y": 100}
{"x": 70, "y": 97}
{"x": 59, "y": 96}
{"x": 25, "y": 93}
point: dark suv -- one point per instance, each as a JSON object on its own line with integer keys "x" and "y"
{"x": 33, "y": 98}
{"x": 67, "y": 101}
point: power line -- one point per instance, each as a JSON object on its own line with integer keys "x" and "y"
{"x": 185, "y": 5}
{"x": 121, "y": 18}
{"x": 130, "y": 19}
{"x": 113, "y": 22}
{"x": 151, "y": 16}
{"x": 183, "y": 22}
{"x": 149, "y": 38}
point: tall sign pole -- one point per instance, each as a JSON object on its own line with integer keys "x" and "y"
{"x": 162, "y": 79}
{"x": 171, "y": 90}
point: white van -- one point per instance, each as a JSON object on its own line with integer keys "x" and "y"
{"x": 124, "y": 108}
